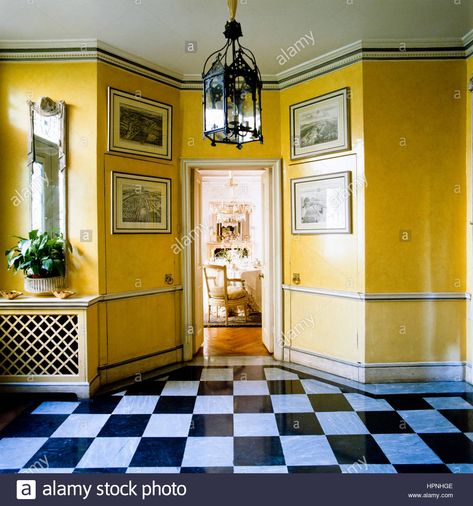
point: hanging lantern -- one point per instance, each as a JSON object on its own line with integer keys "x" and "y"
{"x": 232, "y": 91}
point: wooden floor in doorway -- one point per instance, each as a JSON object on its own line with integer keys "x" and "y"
{"x": 226, "y": 341}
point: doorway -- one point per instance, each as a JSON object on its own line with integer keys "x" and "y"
{"x": 232, "y": 252}
{"x": 232, "y": 221}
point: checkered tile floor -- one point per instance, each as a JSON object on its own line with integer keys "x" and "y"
{"x": 244, "y": 419}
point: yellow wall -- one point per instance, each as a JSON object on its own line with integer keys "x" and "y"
{"x": 412, "y": 187}
{"x": 339, "y": 258}
{"x": 420, "y": 186}
{"x": 416, "y": 181}
{"x": 195, "y": 146}
{"x": 136, "y": 262}
{"x": 415, "y": 331}
{"x": 329, "y": 261}
{"x": 469, "y": 206}
{"x": 75, "y": 84}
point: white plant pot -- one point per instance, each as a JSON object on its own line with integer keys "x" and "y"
{"x": 43, "y": 286}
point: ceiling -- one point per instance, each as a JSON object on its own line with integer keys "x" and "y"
{"x": 156, "y": 30}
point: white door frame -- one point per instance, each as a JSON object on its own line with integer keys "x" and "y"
{"x": 274, "y": 165}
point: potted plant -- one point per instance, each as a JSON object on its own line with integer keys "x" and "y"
{"x": 42, "y": 258}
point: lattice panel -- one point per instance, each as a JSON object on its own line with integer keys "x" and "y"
{"x": 39, "y": 345}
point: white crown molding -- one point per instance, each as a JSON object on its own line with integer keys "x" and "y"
{"x": 49, "y": 44}
{"x": 372, "y": 49}
{"x": 467, "y": 39}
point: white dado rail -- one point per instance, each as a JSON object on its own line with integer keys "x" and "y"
{"x": 393, "y": 296}
{"x": 46, "y": 343}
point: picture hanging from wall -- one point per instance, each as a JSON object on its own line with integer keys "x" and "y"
{"x": 140, "y": 204}
{"x": 321, "y": 204}
{"x": 139, "y": 126}
{"x": 320, "y": 125}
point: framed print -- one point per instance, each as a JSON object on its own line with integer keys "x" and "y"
{"x": 140, "y": 204}
{"x": 139, "y": 126}
{"x": 320, "y": 125}
{"x": 321, "y": 204}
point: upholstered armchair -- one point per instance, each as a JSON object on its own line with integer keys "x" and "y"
{"x": 225, "y": 292}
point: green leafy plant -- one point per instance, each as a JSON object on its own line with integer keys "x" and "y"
{"x": 41, "y": 255}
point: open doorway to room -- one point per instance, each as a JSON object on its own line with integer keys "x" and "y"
{"x": 232, "y": 264}
{"x": 232, "y": 254}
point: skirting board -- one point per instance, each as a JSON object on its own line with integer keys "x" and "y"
{"x": 139, "y": 366}
{"x": 82, "y": 389}
{"x": 468, "y": 373}
{"x": 380, "y": 373}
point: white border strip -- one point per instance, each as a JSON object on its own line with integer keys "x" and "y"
{"x": 379, "y": 296}
{"x": 80, "y": 302}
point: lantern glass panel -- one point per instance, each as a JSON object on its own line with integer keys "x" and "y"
{"x": 214, "y": 102}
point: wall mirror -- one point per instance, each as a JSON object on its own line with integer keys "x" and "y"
{"x": 47, "y": 165}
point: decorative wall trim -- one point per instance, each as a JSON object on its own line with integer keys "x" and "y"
{"x": 368, "y": 50}
{"x": 141, "y": 293}
{"x": 82, "y": 301}
{"x": 468, "y": 43}
{"x": 468, "y": 373}
{"x": 398, "y": 296}
{"x": 82, "y": 389}
{"x": 379, "y": 373}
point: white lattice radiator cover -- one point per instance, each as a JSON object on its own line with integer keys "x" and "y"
{"x": 39, "y": 345}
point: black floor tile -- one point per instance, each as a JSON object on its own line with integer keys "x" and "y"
{"x": 151, "y": 387}
{"x": 248, "y": 372}
{"x": 280, "y": 387}
{"x": 451, "y": 448}
{"x": 329, "y": 402}
{"x": 125, "y": 426}
{"x": 252, "y": 404}
{"x": 298, "y": 424}
{"x": 357, "y": 448}
{"x": 98, "y": 406}
{"x": 314, "y": 469}
{"x": 189, "y": 373}
{"x": 159, "y": 452}
{"x": 60, "y": 452}
{"x": 215, "y": 388}
{"x": 207, "y": 470}
{"x": 384, "y": 422}
{"x": 258, "y": 451}
{"x": 33, "y": 426}
{"x": 403, "y": 402}
{"x": 422, "y": 468}
{"x": 211, "y": 425}
{"x": 461, "y": 418}
{"x": 175, "y": 404}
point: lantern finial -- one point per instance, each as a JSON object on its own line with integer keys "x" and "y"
{"x": 232, "y": 8}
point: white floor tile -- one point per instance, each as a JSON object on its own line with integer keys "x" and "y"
{"x": 168, "y": 425}
{"x": 81, "y": 425}
{"x": 15, "y": 452}
{"x": 136, "y": 405}
{"x": 109, "y": 452}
